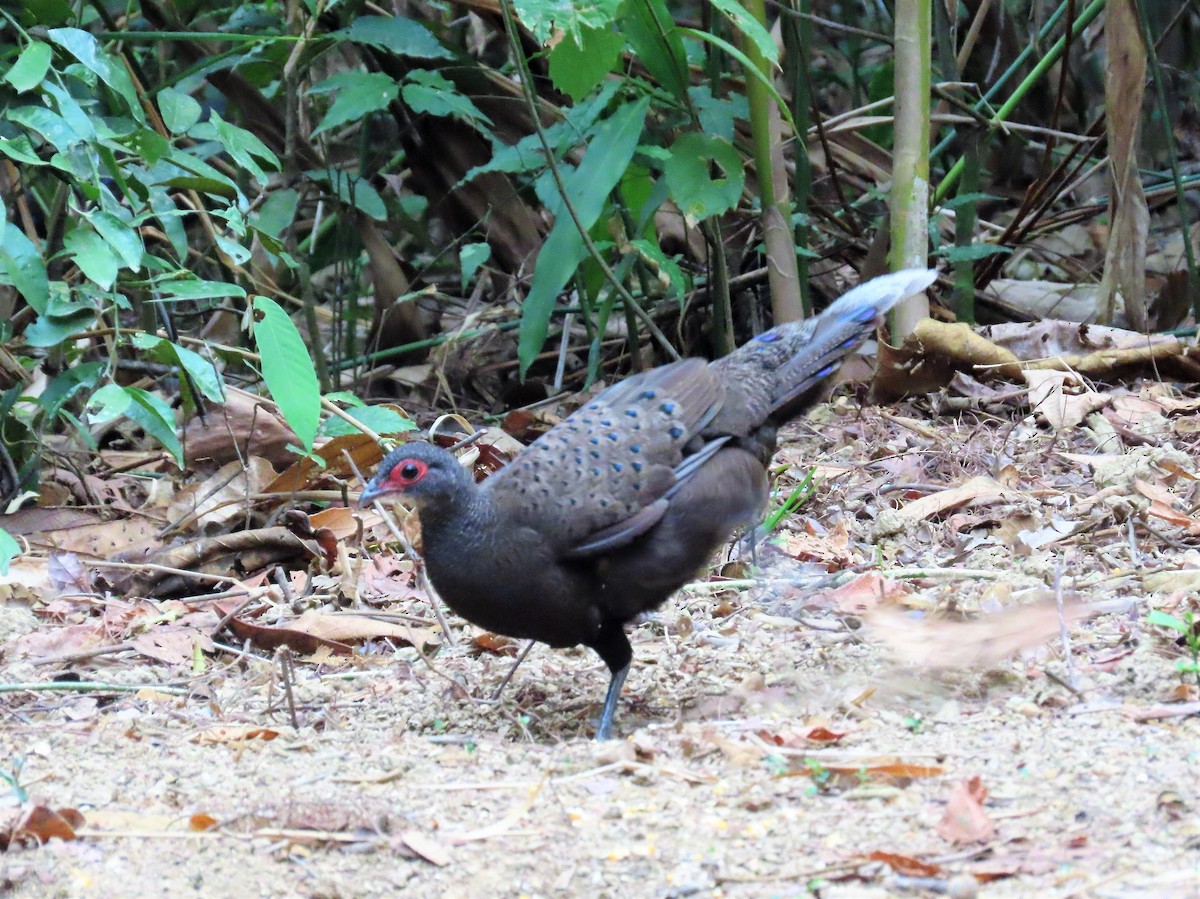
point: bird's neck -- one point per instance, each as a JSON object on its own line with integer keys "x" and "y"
{"x": 462, "y": 522}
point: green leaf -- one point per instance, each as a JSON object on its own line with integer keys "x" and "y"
{"x": 9, "y": 550}
{"x": 612, "y": 147}
{"x": 94, "y": 257}
{"x": 84, "y": 47}
{"x": 358, "y": 95}
{"x": 287, "y": 368}
{"x": 50, "y": 125}
{"x": 30, "y": 68}
{"x": 20, "y": 148}
{"x": 244, "y": 147}
{"x": 693, "y": 188}
{"x": 276, "y": 215}
{"x": 51, "y": 330}
{"x": 69, "y": 383}
{"x": 121, "y": 236}
{"x": 657, "y": 44}
{"x": 542, "y": 17}
{"x": 432, "y": 93}
{"x": 196, "y": 289}
{"x": 179, "y": 111}
{"x": 354, "y": 191}
{"x": 156, "y": 419}
{"x": 203, "y": 374}
{"x": 21, "y": 265}
{"x": 401, "y": 36}
{"x": 576, "y": 67}
{"x": 379, "y": 419}
{"x": 108, "y": 404}
{"x": 976, "y": 251}
{"x": 470, "y": 257}
{"x": 1162, "y": 619}
{"x": 750, "y": 27}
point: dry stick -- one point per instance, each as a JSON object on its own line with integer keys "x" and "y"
{"x": 513, "y": 670}
{"x": 88, "y": 686}
{"x": 1063, "y": 630}
{"x": 82, "y": 655}
{"x": 164, "y": 569}
{"x": 286, "y": 676}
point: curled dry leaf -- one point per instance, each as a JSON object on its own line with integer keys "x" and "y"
{"x": 234, "y": 733}
{"x": 221, "y": 497}
{"x": 1061, "y": 398}
{"x": 38, "y": 824}
{"x": 965, "y": 820}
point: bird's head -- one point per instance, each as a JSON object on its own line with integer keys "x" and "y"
{"x": 420, "y": 472}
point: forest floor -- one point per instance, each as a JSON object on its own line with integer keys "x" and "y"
{"x": 941, "y": 680}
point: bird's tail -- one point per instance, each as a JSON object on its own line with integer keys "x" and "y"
{"x": 813, "y": 349}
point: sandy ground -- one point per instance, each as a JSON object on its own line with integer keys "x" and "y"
{"x": 775, "y": 742}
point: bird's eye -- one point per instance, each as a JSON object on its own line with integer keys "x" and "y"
{"x": 408, "y": 472}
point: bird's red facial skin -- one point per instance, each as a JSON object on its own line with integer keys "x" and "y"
{"x": 406, "y": 473}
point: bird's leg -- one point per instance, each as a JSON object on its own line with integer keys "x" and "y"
{"x": 613, "y": 646}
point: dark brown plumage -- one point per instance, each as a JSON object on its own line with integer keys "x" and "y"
{"x": 607, "y": 514}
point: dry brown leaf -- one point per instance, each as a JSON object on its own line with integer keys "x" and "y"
{"x": 234, "y": 733}
{"x": 223, "y": 496}
{"x": 1061, "y": 398}
{"x": 965, "y": 820}
{"x": 978, "y": 491}
{"x": 246, "y": 422}
{"x": 347, "y": 627}
{"x": 905, "y": 864}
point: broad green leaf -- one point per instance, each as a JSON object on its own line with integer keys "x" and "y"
{"x": 69, "y": 383}
{"x": 611, "y": 149}
{"x": 695, "y": 191}
{"x": 21, "y": 265}
{"x": 358, "y": 95}
{"x": 50, "y": 125}
{"x": 276, "y": 215}
{"x": 203, "y": 374}
{"x": 147, "y": 143}
{"x": 432, "y": 93}
{"x": 121, "y": 236}
{"x": 976, "y": 251}
{"x": 470, "y": 257}
{"x": 656, "y": 42}
{"x": 30, "y": 68}
{"x": 195, "y": 289}
{"x": 108, "y": 404}
{"x": 287, "y": 368}
{"x": 51, "y": 330}
{"x": 156, "y": 419}
{"x": 179, "y": 111}
{"x": 750, "y": 27}
{"x": 244, "y": 147}
{"x": 379, "y": 419}
{"x": 542, "y": 17}
{"x": 718, "y": 114}
{"x": 578, "y": 66}
{"x": 94, "y": 257}
{"x": 20, "y": 149}
{"x": 9, "y": 550}
{"x": 750, "y": 69}
{"x": 84, "y": 47}
{"x": 354, "y": 191}
{"x": 79, "y": 121}
{"x": 401, "y": 36}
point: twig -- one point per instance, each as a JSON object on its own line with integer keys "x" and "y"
{"x": 1063, "y": 630}
{"x": 88, "y": 686}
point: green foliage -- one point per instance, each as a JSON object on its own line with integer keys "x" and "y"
{"x": 9, "y": 550}
{"x": 288, "y": 370}
{"x": 1186, "y": 626}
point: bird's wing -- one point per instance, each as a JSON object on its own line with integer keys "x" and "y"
{"x": 604, "y": 475}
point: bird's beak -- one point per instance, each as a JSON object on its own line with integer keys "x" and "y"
{"x": 371, "y": 492}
